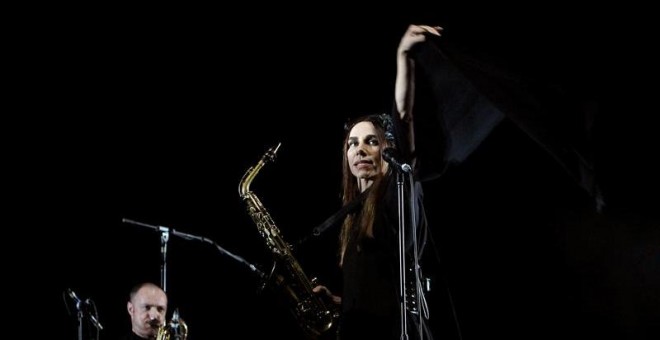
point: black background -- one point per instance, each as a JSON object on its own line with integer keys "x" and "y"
{"x": 155, "y": 114}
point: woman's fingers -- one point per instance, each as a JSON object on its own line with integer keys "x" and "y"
{"x": 435, "y": 30}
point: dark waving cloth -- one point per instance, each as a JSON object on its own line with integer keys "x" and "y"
{"x": 471, "y": 97}
{"x": 601, "y": 135}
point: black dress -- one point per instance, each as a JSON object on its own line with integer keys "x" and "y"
{"x": 370, "y": 297}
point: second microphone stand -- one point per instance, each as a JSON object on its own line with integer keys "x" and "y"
{"x": 164, "y": 237}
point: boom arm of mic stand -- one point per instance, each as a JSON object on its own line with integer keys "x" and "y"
{"x": 189, "y": 237}
{"x": 222, "y": 250}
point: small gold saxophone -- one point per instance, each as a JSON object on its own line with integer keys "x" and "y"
{"x": 176, "y": 329}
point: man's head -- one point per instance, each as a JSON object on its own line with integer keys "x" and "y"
{"x": 147, "y": 307}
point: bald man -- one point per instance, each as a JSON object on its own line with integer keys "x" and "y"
{"x": 147, "y": 307}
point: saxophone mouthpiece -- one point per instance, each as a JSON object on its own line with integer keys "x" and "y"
{"x": 270, "y": 154}
{"x": 274, "y": 149}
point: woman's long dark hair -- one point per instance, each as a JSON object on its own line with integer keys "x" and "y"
{"x": 351, "y": 190}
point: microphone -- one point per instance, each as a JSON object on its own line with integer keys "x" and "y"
{"x": 75, "y": 298}
{"x": 391, "y": 156}
{"x": 80, "y": 303}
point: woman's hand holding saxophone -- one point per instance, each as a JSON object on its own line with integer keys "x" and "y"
{"x": 325, "y": 292}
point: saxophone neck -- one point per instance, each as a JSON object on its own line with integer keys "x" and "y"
{"x": 244, "y": 185}
{"x": 251, "y": 173}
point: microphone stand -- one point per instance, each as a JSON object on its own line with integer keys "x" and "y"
{"x": 187, "y": 236}
{"x": 80, "y": 322}
{"x": 164, "y": 237}
{"x": 81, "y": 312}
{"x": 402, "y": 253}
{"x": 390, "y": 155}
{"x": 419, "y": 302}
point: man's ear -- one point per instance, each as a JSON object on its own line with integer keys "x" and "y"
{"x": 129, "y": 308}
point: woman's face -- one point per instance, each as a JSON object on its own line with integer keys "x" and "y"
{"x": 364, "y": 152}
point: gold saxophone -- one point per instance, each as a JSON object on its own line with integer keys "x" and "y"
{"x": 310, "y": 311}
{"x": 176, "y": 329}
